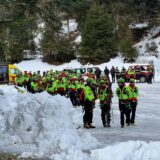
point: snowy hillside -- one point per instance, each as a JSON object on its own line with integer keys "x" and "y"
{"x": 152, "y": 38}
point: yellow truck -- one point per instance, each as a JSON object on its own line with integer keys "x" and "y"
{"x": 8, "y": 73}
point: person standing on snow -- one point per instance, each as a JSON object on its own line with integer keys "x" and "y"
{"x": 133, "y": 100}
{"x": 88, "y": 104}
{"x": 72, "y": 92}
{"x": 106, "y": 72}
{"x": 105, "y": 94}
{"x": 112, "y": 71}
{"x": 98, "y": 74}
{"x": 124, "y": 95}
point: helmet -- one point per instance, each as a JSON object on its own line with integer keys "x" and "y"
{"x": 121, "y": 80}
{"x": 102, "y": 81}
{"x": 132, "y": 80}
{"x": 89, "y": 81}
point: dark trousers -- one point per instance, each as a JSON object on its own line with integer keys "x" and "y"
{"x": 73, "y": 97}
{"x": 88, "y": 112}
{"x": 113, "y": 78}
{"x": 133, "y": 110}
{"x": 150, "y": 79}
{"x": 105, "y": 113}
{"x": 125, "y": 111}
{"x": 62, "y": 93}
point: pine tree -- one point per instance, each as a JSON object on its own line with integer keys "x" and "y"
{"x": 98, "y": 36}
{"x": 55, "y": 46}
{"x": 127, "y": 48}
{"x": 18, "y": 30}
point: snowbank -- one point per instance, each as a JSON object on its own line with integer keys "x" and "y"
{"x": 128, "y": 151}
{"x": 41, "y": 125}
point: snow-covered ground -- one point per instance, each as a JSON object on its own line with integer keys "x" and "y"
{"x": 44, "y": 126}
{"x": 141, "y": 142}
{"x": 40, "y": 125}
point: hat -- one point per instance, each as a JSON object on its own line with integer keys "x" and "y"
{"x": 132, "y": 80}
{"x": 89, "y": 81}
{"x": 102, "y": 82}
{"x": 121, "y": 80}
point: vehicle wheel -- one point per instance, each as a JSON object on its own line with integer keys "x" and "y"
{"x": 143, "y": 79}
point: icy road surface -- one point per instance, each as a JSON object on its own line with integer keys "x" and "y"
{"x": 147, "y": 121}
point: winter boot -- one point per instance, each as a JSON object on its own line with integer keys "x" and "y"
{"x": 122, "y": 126}
{"x": 133, "y": 124}
{"x": 92, "y": 126}
{"x": 86, "y": 125}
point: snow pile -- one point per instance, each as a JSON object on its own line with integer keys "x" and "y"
{"x": 132, "y": 150}
{"x": 40, "y": 125}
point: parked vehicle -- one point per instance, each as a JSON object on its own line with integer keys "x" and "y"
{"x": 8, "y": 72}
{"x": 139, "y": 72}
{"x": 84, "y": 71}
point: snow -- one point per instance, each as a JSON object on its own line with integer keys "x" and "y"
{"x": 72, "y": 26}
{"x": 131, "y": 150}
{"x": 138, "y": 25}
{"x": 37, "y": 64}
{"x": 141, "y": 46}
{"x": 41, "y": 125}
{"x": 38, "y": 34}
{"x": 78, "y": 39}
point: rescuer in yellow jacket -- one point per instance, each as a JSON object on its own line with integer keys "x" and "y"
{"x": 124, "y": 95}
{"x": 88, "y": 104}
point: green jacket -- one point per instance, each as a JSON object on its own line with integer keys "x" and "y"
{"x": 131, "y": 72}
{"x": 104, "y": 94}
{"x": 133, "y": 92}
{"x": 51, "y": 89}
{"x": 124, "y": 93}
{"x": 34, "y": 86}
{"x": 62, "y": 85}
{"x": 88, "y": 93}
{"x": 71, "y": 87}
{"x": 19, "y": 80}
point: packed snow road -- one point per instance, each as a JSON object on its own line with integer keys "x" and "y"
{"x": 147, "y": 119}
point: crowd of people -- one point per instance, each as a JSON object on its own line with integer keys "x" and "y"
{"x": 132, "y": 72}
{"x": 85, "y": 92}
